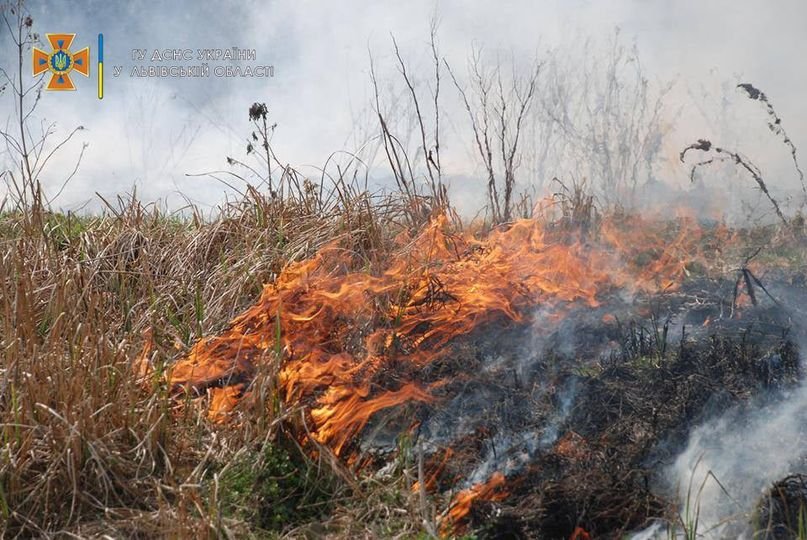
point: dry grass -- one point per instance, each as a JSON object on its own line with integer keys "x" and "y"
{"x": 90, "y": 449}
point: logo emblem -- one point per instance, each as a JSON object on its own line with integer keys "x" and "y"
{"x": 61, "y": 62}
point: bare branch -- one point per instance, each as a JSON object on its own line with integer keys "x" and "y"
{"x": 706, "y": 146}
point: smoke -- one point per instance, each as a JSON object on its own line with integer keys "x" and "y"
{"x": 152, "y": 134}
{"x": 731, "y": 461}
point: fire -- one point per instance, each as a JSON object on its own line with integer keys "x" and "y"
{"x": 461, "y": 504}
{"x": 580, "y": 533}
{"x": 355, "y": 338}
{"x": 430, "y": 483}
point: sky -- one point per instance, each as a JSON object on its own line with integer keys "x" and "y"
{"x": 159, "y": 134}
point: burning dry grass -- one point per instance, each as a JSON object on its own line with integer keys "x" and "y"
{"x": 355, "y": 340}
{"x": 357, "y": 314}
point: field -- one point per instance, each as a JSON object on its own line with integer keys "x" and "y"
{"x": 97, "y": 439}
{"x": 598, "y": 358}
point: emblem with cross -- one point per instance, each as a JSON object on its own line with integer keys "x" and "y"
{"x": 60, "y": 62}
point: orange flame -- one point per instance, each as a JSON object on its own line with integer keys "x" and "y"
{"x": 431, "y": 481}
{"x": 461, "y": 504}
{"x": 580, "y": 533}
{"x": 354, "y": 342}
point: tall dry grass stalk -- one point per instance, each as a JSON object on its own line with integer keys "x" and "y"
{"x": 88, "y": 446}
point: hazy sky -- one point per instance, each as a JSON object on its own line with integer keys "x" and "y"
{"x": 152, "y": 132}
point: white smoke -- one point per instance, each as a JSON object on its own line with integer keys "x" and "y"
{"x": 731, "y": 461}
